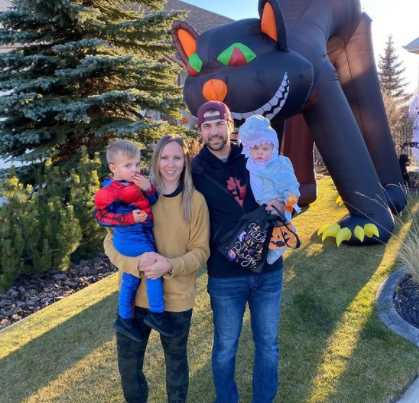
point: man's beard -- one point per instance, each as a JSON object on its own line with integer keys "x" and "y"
{"x": 219, "y": 147}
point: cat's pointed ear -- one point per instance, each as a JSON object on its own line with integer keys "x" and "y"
{"x": 272, "y": 22}
{"x": 184, "y": 38}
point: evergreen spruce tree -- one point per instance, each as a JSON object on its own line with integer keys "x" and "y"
{"x": 85, "y": 73}
{"x": 390, "y": 73}
{"x": 399, "y": 121}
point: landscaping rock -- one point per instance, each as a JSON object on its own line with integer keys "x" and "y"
{"x": 5, "y": 302}
{"x": 60, "y": 276}
{"x": 4, "y": 322}
{"x": 29, "y": 294}
{"x": 406, "y": 301}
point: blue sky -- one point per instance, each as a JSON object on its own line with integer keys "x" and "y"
{"x": 397, "y": 17}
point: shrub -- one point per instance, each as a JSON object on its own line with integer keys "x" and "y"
{"x": 42, "y": 226}
{"x": 38, "y": 229}
{"x": 84, "y": 183}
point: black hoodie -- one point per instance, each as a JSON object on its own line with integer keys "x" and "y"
{"x": 226, "y": 188}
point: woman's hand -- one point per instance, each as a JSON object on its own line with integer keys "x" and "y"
{"x": 158, "y": 269}
{"x": 147, "y": 259}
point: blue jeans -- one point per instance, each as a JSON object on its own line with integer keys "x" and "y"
{"x": 229, "y": 297}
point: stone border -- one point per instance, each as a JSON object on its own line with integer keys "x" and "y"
{"x": 388, "y": 313}
{"x": 390, "y": 317}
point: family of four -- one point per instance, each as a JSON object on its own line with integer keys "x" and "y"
{"x": 161, "y": 232}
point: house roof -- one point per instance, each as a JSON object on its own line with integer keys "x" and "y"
{"x": 4, "y": 4}
{"x": 413, "y": 46}
{"x": 202, "y": 20}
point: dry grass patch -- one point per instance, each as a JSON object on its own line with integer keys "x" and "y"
{"x": 409, "y": 251}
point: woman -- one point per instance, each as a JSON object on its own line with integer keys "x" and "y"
{"x": 181, "y": 229}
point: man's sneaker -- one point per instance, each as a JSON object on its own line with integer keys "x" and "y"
{"x": 160, "y": 322}
{"x": 127, "y": 328}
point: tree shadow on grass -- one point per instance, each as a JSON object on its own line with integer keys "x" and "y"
{"x": 43, "y": 359}
{"x": 328, "y": 302}
{"x": 381, "y": 367}
{"x": 315, "y": 298}
{"x": 328, "y": 305}
{"x": 328, "y": 318}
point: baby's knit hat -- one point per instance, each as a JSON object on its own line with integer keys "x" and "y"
{"x": 257, "y": 130}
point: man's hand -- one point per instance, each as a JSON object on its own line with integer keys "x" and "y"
{"x": 142, "y": 182}
{"x": 139, "y": 216}
{"x": 274, "y": 202}
{"x": 158, "y": 269}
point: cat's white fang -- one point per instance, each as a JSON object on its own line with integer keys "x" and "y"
{"x": 247, "y": 115}
{"x": 237, "y": 116}
{"x": 274, "y": 101}
{"x": 277, "y": 102}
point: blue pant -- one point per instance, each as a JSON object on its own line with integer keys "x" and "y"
{"x": 229, "y": 297}
{"x": 128, "y": 291}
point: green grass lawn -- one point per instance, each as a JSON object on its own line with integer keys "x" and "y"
{"x": 334, "y": 348}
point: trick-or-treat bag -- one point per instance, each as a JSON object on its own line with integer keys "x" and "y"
{"x": 283, "y": 234}
{"x": 247, "y": 243}
{"x": 283, "y": 237}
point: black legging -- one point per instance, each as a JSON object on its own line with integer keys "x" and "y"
{"x": 131, "y": 359}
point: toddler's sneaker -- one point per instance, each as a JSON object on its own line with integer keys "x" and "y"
{"x": 160, "y": 322}
{"x": 127, "y": 328}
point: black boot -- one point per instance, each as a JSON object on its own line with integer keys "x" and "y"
{"x": 160, "y": 322}
{"x": 127, "y": 328}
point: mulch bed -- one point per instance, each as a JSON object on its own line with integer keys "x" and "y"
{"x": 29, "y": 294}
{"x": 406, "y": 301}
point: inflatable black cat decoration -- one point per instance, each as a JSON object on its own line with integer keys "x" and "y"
{"x": 311, "y": 61}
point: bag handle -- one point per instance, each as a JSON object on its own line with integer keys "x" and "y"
{"x": 243, "y": 218}
{"x": 286, "y": 224}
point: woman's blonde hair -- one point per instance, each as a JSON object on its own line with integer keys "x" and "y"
{"x": 185, "y": 178}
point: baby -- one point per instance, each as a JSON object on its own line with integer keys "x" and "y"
{"x": 271, "y": 175}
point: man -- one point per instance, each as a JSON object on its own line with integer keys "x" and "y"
{"x": 219, "y": 173}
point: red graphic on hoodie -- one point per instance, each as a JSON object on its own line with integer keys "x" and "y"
{"x": 238, "y": 192}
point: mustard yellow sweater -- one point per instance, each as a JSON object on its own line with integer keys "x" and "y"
{"x": 186, "y": 245}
